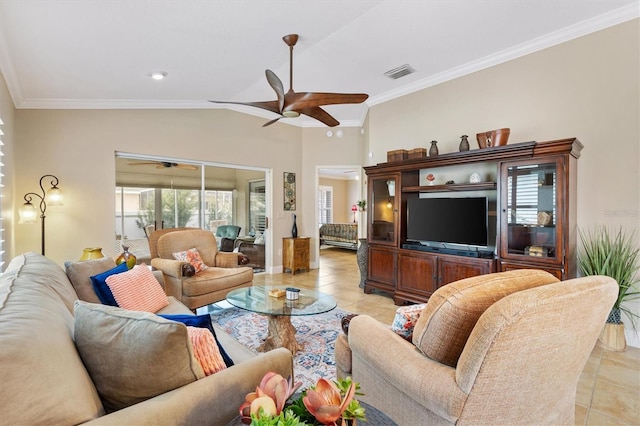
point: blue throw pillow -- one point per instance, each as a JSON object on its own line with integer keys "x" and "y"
{"x": 202, "y": 321}
{"x": 102, "y": 289}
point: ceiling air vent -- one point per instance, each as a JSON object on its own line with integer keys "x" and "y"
{"x": 400, "y": 71}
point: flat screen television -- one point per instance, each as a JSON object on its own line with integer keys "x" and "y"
{"x": 448, "y": 220}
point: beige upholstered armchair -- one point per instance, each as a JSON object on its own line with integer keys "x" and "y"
{"x": 505, "y": 348}
{"x": 211, "y": 285}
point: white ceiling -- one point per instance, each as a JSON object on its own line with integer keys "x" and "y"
{"x": 98, "y": 53}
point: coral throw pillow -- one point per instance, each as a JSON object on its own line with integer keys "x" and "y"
{"x": 138, "y": 290}
{"x": 206, "y": 350}
{"x": 193, "y": 257}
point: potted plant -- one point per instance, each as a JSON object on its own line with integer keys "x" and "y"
{"x": 362, "y": 204}
{"x": 616, "y": 255}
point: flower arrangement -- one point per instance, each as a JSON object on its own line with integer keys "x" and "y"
{"x": 362, "y": 204}
{"x": 326, "y": 403}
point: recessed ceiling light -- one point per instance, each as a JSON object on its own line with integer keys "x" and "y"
{"x": 158, "y": 75}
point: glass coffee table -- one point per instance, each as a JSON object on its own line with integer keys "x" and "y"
{"x": 279, "y": 310}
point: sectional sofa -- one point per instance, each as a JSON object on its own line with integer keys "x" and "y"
{"x": 45, "y": 379}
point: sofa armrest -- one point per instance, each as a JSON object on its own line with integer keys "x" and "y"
{"x": 170, "y": 267}
{"x": 398, "y": 362}
{"x": 225, "y": 259}
{"x": 213, "y": 400}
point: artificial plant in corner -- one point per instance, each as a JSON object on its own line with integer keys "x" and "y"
{"x": 617, "y": 255}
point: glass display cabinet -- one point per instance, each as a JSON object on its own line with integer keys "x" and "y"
{"x": 534, "y": 214}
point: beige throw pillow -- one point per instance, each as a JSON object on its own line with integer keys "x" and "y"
{"x": 79, "y": 274}
{"x": 132, "y": 356}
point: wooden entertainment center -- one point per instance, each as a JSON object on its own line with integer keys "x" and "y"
{"x": 531, "y": 192}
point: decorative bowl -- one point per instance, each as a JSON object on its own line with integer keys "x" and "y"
{"x": 491, "y": 138}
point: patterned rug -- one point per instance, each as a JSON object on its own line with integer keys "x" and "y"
{"x": 317, "y": 334}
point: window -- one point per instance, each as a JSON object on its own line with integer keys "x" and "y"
{"x": 533, "y": 190}
{"x": 257, "y": 206}
{"x": 325, "y": 204}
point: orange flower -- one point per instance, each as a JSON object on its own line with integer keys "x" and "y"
{"x": 271, "y": 395}
{"x": 324, "y": 402}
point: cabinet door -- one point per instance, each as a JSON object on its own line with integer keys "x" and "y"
{"x": 417, "y": 273}
{"x": 454, "y": 268}
{"x": 382, "y": 268}
{"x": 383, "y": 209}
{"x": 533, "y": 210}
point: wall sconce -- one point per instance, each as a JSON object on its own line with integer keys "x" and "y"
{"x": 391, "y": 186}
{"x": 354, "y": 209}
{"x": 28, "y": 212}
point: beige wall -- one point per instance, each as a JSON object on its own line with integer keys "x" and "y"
{"x": 587, "y": 88}
{"x": 78, "y": 146}
{"x": 344, "y": 196}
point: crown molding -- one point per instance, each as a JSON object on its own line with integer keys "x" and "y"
{"x": 580, "y": 29}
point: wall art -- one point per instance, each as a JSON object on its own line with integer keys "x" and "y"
{"x": 289, "y": 191}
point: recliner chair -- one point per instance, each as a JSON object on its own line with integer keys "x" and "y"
{"x": 227, "y": 236}
{"x": 211, "y": 285}
{"x": 518, "y": 361}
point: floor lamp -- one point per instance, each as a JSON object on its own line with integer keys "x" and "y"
{"x": 28, "y": 212}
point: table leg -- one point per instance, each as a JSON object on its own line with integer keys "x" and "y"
{"x": 281, "y": 334}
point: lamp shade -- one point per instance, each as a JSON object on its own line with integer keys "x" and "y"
{"x": 54, "y": 196}
{"x": 354, "y": 208}
{"x": 28, "y": 214}
{"x": 391, "y": 186}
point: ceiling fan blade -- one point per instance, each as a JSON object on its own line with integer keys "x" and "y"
{"x": 187, "y": 167}
{"x": 299, "y": 101}
{"x": 276, "y": 85}
{"x": 269, "y": 123}
{"x": 320, "y": 115}
{"x": 144, "y": 163}
{"x": 272, "y": 106}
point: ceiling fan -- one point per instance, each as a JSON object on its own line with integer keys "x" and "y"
{"x": 165, "y": 165}
{"x": 291, "y": 104}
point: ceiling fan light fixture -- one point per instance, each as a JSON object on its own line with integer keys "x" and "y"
{"x": 158, "y": 75}
{"x": 291, "y": 114}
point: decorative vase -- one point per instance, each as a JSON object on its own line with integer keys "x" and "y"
{"x": 91, "y": 253}
{"x": 433, "y": 151}
{"x": 126, "y": 257}
{"x": 294, "y": 228}
{"x": 464, "y": 143}
{"x": 612, "y": 336}
{"x": 362, "y": 257}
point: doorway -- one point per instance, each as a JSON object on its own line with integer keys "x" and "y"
{"x": 339, "y": 188}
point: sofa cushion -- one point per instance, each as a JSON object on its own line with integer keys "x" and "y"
{"x": 453, "y": 310}
{"x": 43, "y": 377}
{"x": 79, "y": 274}
{"x": 133, "y": 355}
{"x": 137, "y": 290}
{"x": 100, "y": 284}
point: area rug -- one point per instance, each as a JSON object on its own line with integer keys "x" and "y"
{"x": 316, "y": 333}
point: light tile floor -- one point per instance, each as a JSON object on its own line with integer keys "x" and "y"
{"x": 608, "y": 390}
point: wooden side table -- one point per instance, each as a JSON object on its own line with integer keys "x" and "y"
{"x": 295, "y": 254}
